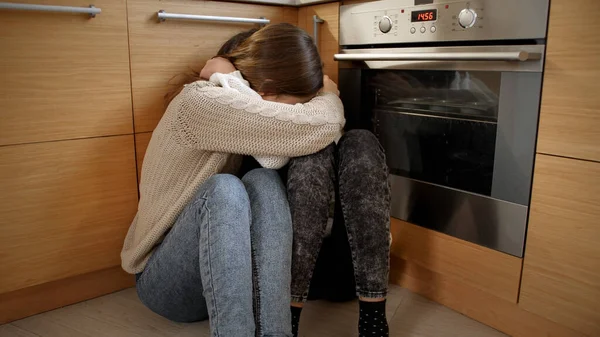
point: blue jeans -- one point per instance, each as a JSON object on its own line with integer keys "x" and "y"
{"x": 227, "y": 258}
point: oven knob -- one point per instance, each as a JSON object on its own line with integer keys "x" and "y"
{"x": 467, "y": 18}
{"x": 385, "y": 25}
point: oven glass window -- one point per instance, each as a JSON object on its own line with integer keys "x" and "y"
{"x": 437, "y": 126}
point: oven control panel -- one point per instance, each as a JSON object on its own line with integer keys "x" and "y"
{"x": 417, "y": 22}
{"x": 401, "y": 21}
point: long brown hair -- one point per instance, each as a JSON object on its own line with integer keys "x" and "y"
{"x": 277, "y": 59}
{"x": 280, "y": 59}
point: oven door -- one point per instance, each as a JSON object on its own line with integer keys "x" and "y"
{"x": 458, "y": 126}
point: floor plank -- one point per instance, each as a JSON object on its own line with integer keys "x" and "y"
{"x": 7, "y": 330}
{"x": 118, "y": 314}
{"x": 122, "y": 314}
{"x": 420, "y": 317}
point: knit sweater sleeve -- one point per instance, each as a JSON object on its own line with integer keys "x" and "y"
{"x": 233, "y": 120}
{"x": 272, "y": 162}
{"x": 236, "y": 81}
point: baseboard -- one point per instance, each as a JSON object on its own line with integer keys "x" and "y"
{"x": 47, "y": 296}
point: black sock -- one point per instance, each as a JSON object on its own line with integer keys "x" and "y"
{"x": 372, "y": 321}
{"x": 296, "y": 311}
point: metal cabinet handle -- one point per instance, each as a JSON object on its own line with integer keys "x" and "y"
{"x": 92, "y": 11}
{"x": 162, "y": 16}
{"x": 316, "y": 21}
{"x": 516, "y": 56}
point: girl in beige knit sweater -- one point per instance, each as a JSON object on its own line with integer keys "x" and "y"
{"x": 204, "y": 243}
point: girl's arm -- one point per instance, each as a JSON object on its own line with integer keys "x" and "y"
{"x": 234, "y": 80}
{"x": 235, "y": 119}
{"x": 272, "y": 162}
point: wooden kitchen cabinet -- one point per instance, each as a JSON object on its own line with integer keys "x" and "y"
{"x": 65, "y": 208}
{"x": 141, "y": 144}
{"x": 328, "y": 36}
{"x": 561, "y": 273}
{"x": 161, "y": 51}
{"x": 570, "y": 113}
{"x": 64, "y": 75}
{"x": 476, "y": 281}
{"x": 491, "y": 271}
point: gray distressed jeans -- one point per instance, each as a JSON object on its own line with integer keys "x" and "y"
{"x": 354, "y": 171}
{"x": 226, "y": 258}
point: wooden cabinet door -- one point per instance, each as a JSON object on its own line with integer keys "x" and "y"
{"x": 570, "y": 112}
{"x": 141, "y": 145}
{"x": 561, "y": 273}
{"x": 64, "y": 75}
{"x": 65, "y": 208}
{"x": 328, "y": 35}
{"x": 161, "y": 51}
{"x": 479, "y": 267}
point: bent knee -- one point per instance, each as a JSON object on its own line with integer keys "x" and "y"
{"x": 359, "y": 139}
{"x": 317, "y": 169}
{"x": 361, "y": 148}
{"x": 226, "y": 191}
{"x": 261, "y": 176}
{"x": 323, "y": 158}
{"x": 264, "y": 182}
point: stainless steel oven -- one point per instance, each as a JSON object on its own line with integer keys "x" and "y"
{"x": 452, "y": 91}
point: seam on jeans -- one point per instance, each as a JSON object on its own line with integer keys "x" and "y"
{"x": 349, "y": 229}
{"x": 256, "y": 286}
{"x": 210, "y": 278}
{"x": 304, "y": 296}
{"x": 351, "y": 235}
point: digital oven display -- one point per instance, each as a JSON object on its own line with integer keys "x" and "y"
{"x": 426, "y": 15}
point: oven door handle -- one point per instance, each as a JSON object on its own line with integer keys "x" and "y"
{"x": 509, "y": 56}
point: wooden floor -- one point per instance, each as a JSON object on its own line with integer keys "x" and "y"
{"x": 122, "y": 315}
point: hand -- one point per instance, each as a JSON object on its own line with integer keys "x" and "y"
{"x": 329, "y": 86}
{"x": 216, "y": 65}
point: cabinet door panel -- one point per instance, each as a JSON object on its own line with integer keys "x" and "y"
{"x": 65, "y": 208}
{"x": 488, "y": 270}
{"x": 570, "y": 113}
{"x": 141, "y": 144}
{"x": 162, "y": 51}
{"x": 561, "y": 273}
{"x": 64, "y": 75}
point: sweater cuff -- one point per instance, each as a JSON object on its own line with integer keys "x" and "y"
{"x": 222, "y": 79}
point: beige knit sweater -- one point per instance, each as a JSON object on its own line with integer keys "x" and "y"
{"x": 204, "y": 131}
